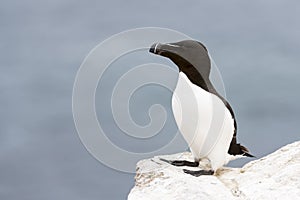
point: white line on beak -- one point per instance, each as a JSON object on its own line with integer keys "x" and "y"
{"x": 155, "y": 47}
{"x": 173, "y": 45}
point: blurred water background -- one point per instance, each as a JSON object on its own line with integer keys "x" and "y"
{"x": 42, "y": 44}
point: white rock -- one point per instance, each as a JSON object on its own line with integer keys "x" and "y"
{"x": 276, "y": 176}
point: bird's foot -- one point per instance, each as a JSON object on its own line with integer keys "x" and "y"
{"x": 180, "y": 163}
{"x": 199, "y": 172}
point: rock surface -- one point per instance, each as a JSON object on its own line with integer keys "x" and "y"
{"x": 276, "y": 176}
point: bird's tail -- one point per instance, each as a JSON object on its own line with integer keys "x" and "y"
{"x": 245, "y": 151}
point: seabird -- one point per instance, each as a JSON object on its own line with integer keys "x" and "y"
{"x": 204, "y": 118}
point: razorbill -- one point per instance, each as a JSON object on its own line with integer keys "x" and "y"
{"x": 204, "y": 118}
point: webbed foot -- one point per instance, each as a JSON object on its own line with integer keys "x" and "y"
{"x": 180, "y": 163}
{"x": 199, "y": 172}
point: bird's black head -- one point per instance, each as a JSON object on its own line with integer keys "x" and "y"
{"x": 190, "y": 56}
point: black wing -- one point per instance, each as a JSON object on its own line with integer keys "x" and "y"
{"x": 235, "y": 148}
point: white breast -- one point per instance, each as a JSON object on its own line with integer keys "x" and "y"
{"x": 204, "y": 121}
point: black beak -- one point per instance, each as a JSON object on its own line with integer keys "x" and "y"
{"x": 154, "y": 48}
